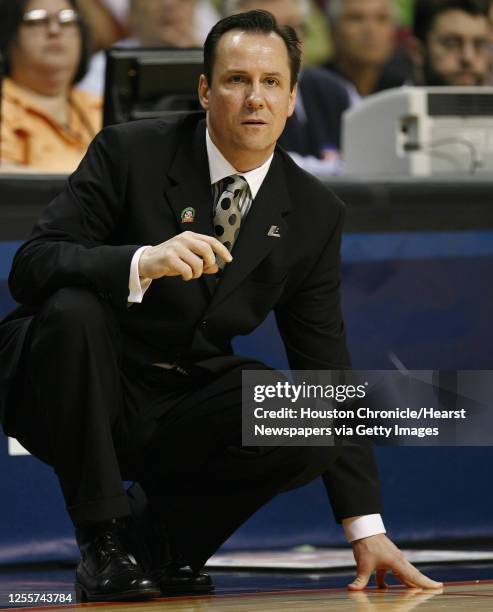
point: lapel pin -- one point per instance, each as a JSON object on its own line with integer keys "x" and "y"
{"x": 188, "y": 215}
{"x": 274, "y": 231}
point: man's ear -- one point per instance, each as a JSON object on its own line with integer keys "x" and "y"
{"x": 203, "y": 92}
{"x": 292, "y": 100}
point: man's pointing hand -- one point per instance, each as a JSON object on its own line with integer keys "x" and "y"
{"x": 188, "y": 255}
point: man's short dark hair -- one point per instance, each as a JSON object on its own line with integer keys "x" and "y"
{"x": 426, "y": 12}
{"x": 253, "y": 21}
{"x": 11, "y": 14}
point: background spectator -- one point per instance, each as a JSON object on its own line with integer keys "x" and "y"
{"x": 47, "y": 124}
{"x": 205, "y": 17}
{"x": 163, "y": 23}
{"x": 104, "y": 27}
{"x": 363, "y": 39}
{"x": 312, "y": 134}
{"x": 157, "y": 23}
{"x": 451, "y": 42}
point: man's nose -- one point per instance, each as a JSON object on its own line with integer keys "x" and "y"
{"x": 369, "y": 27}
{"x": 468, "y": 53}
{"x": 254, "y": 99}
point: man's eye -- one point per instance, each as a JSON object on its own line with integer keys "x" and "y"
{"x": 236, "y": 78}
{"x": 272, "y": 82}
{"x": 354, "y": 19}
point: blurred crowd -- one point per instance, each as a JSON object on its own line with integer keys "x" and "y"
{"x": 54, "y": 63}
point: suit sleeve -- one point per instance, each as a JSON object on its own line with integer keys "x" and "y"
{"x": 312, "y": 329}
{"x": 352, "y": 483}
{"x": 73, "y": 242}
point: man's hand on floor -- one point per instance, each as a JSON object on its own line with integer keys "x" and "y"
{"x": 377, "y": 553}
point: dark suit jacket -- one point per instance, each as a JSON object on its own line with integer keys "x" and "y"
{"x": 130, "y": 190}
{"x": 395, "y": 73}
{"x": 325, "y": 99}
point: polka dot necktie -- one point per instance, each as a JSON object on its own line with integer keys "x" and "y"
{"x": 227, "y": 214}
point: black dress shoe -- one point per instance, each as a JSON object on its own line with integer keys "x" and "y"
{"x": 107, "y": 571}
{"x": 183, "y": 581}
{"x": 151, "y": 542}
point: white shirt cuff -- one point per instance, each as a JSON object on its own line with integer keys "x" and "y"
{"x": 358, "y": 527}
{"x": 137, "y": 286}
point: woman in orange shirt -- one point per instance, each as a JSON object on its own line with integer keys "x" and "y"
{"x": 46, "y": 122}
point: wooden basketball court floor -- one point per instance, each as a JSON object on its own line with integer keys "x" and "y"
{"x": 277, "y": 592}
{"x": 454, "y": 597}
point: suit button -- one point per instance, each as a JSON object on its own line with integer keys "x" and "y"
{"x": 203, "y": 323}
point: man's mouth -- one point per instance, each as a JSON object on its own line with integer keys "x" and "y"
{"x": 253, "y": 122}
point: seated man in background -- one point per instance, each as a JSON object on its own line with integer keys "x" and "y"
{"x": 163, "y": 23}
{"x": 451, "y": 45}
{"x": 160, "y": 23}
{"x": 47, "y": 123}
{"x": 363, "y": 38}
{"x": 313, "y": 133}
{"x": 105, "y": 27}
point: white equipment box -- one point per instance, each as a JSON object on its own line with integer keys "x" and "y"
{"x": 420, "y": 131}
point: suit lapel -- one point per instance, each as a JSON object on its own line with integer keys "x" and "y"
{"x": 191, "y": 189}
{"x": 254, "y": 243}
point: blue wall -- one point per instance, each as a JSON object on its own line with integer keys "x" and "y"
{"x": 426, "y": 298}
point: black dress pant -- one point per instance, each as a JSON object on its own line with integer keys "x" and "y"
{"x": 99, "y": 418}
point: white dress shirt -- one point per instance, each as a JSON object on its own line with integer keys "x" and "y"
{"x": 356, "y": 527}
{"x": 219, "y": 168}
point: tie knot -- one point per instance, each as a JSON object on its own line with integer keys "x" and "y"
{"x": 234, "y": 183}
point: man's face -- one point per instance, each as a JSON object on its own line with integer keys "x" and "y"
{"x": 250, "y": 97}
{"x": 158, "y": 23}
{"x": 456, "y": 51}
{"x": 364, "y": 33}
{"x": 45, "y": 55}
